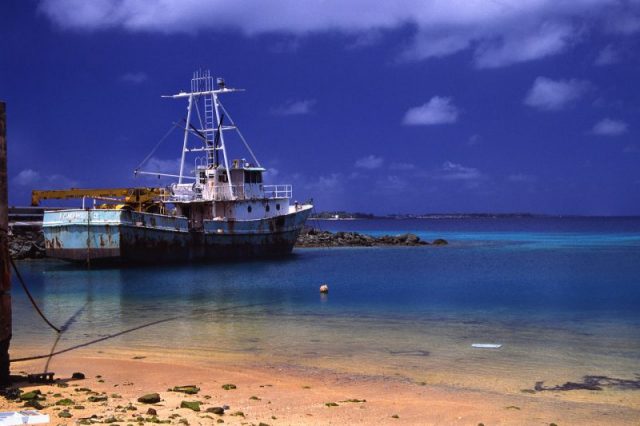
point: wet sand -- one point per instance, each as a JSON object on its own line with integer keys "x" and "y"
{"x": 282, "y": 394}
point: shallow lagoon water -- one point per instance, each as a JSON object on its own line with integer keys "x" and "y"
{"x": 560, "y": 295}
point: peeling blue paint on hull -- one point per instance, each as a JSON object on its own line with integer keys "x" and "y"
{"x": 124, "y": 236}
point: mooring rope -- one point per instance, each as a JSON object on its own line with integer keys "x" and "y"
{"x": 33, "y": 302}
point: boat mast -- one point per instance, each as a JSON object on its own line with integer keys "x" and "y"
{"x": 219, "y": 128}
{"x": 186, "y": 135}
{"x": 202, "y": 86}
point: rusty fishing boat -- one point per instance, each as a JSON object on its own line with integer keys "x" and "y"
{"x": 219, "y": 210}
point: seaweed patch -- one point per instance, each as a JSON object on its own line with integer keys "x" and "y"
{"x": 594, "y": 383}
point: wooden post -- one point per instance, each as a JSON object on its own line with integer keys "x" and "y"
{"x": 5, "y": 277}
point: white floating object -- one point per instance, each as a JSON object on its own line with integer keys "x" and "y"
{"x": 24, "y": 417}
{"x": 486, "y": 345}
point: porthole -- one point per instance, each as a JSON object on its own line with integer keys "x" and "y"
{"x": 277, "y": 206}
{"x": 267, "y": 208}
{"x": 249, "y": 209}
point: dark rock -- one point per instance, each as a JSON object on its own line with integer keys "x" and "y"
{"x": 77, "y": 376}
{"x": 31, "y": 396}
{"x": 192, "y": 405}
{"x": 228, "y": 386}
{"x": 98, "y": 398}
{"x": 216, "y": 410}
{"x": 150, "y": 398}
{"x": 439, "y": 242}
{"x": 65, "y": 401}
{"x": 34, "y": 403}
{"x": 26, "y": 242}
{"x": 152, "y": 412}
{"x": 64, "y": 414}
{"x": 317, "y": 238}
{"x": 188, "y": 389}
{"x": 10, "y": 393}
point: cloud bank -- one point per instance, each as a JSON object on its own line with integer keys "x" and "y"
{"x": 499, "y": 32}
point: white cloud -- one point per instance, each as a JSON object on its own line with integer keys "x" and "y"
{"x": 623, "y": 21}
{"x": 549, "y": 39}
{"x": 134, "y": 77}
{"x": 27, "y": 177}
{"x": 35, "y": 180}
{"x": 609, "y": 127}
{"x": 392, "y": 183}
{"x": 607, "y": 56}
{"x": 454, "y": 171}
{"x": 439, "y": 110}
{"x": 159, "y": 165}
{"x": 501, "y": 32}
{"x": 553, "y": 95}
{"x": 427, "y": 45}
{"x": 271, "y": 172}
{"x": 302, "y": 107}
{"x": 331, "y": 182}
{"x": 366, "y": 39}
{"x": 369, "y": 162}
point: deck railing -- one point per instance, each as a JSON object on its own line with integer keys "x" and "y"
{"x": 234, "y": 192}
{"x": 278, "y": 191}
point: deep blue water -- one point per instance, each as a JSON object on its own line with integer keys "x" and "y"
{"x": 523, "y": 280}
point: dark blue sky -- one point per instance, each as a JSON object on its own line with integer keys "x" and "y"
{"x": 410, "y": 106}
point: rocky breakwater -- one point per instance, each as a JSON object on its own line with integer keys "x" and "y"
{"x": 26, "y": 242}
{"x": 317, "y": 238}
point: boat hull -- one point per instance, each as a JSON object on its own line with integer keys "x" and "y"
{"x": 106, "y": 236}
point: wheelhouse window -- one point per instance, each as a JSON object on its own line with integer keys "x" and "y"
{"x": 252, "y": 176}
{"x": 223, "y": 178}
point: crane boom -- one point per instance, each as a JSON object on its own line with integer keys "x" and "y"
{"x": 133, "y": 197}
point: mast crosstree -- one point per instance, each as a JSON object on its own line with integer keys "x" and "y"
{"x": 205, "y": 92}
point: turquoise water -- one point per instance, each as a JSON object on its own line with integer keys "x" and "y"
{"x": 560, "y": 294}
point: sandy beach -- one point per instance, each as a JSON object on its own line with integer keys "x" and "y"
{"x": 283, "y": 395}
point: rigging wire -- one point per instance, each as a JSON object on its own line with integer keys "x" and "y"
{"x": 155, "y": 148}
{"x": 33, "y": 302}
{"x": 244, "y": 141}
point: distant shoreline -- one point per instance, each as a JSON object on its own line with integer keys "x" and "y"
{"x": 463, "y": 216}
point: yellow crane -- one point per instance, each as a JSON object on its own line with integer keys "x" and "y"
{"x": 138, "y": 199}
